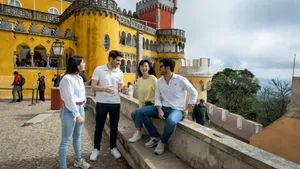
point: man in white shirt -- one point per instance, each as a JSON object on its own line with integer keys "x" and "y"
{"x": 170, "y": 97}
{"x": 107, "y": 81}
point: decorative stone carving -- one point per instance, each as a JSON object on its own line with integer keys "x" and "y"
{"x": 28, "y": 14}
{"x": 46, "y": 31}
{"x": 33, "y": 29}
{"x": 58, "y": 33}
{"x": 5, "y": 25}
{"x": 20, "y": 27}
{"x": 171, "y": 33}
{"x": 68, "y": 34}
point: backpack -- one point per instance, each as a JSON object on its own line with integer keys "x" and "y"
{"x": 22, "y": 80}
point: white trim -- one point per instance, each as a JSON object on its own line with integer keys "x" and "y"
{"x": 15, "y": 4}
{"x": 53, "y": 8}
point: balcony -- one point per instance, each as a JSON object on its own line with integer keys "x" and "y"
{"x": 171, "y": 33}
{"x": 28, "y": 14}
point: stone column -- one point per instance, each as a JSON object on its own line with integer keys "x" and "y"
{"x": 48, "y": 59}
{"x": 32, "y": 54}
{"x": 140, "y": 47}
{"x": 158, "y": 18}
{"x": 15, "y": 59}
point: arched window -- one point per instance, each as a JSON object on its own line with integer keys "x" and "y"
{"x": 123, "y": 38}
{"x": 122, "y": 66}
{"x": 53, "y": 10}
{"x": 106, "y": 42}
{"x": 134, "y": 68}
{"x": 128, "y": 39}
{"x": 128, "y": 66}
{"x": 15, "y": 3}
{"x": 134, "y": 41}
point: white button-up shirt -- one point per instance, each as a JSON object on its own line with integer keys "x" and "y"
{"x": 72, "y": 90}
{"x": 106, "y": 78}
{"x": 174, "y": 94}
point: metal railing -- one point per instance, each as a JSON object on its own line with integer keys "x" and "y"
{"x": 32, "y": 89}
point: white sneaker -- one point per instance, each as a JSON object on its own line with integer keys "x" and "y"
{"x": 153, "y": 142}
{"x": 115, "y": 152}
{"x": 160, "y": 148}
{"x": 94, "y": 155}
{"x": 81, "y": 164}
{"x": 136, "y": 137}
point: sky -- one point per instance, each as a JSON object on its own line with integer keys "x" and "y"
{"x": 259, "y": 35}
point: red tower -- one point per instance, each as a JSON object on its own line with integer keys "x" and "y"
{"x": 157, "y": 13}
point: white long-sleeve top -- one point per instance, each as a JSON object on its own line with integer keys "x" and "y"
{"x": 72, "y": 90}
{"x": 174, "y": 94}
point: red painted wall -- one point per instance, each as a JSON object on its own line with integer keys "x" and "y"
{"x": 149, "y": 16}
{"x": 165, "y": 19}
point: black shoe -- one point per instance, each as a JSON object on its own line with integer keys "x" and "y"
{"x": 19, "y": 100}
{"x": 13, "y": 101}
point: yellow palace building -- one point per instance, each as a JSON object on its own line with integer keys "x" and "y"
{"x": 90, "y": 28}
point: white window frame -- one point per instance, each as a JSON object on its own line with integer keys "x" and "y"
{"x": 15, "y": 3}
{"x": 53, "y": 8}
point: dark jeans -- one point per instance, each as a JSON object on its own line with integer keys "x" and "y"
{"x": 201, "y": 123}
{"x": 114, "y": 115}
{"x": 42, "y": 95}
{"x": 21, "y": 93}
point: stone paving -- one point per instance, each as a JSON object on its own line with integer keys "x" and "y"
{"x": 36, "y": 146}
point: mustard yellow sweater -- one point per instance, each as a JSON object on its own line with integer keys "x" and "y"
{"x": 146, "y": 89}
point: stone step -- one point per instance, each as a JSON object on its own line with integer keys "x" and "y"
{"x": 143, "y": 157}
{"x": 40, "y": 117}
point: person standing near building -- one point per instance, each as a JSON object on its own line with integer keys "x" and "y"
{"x": 146, "y": 86}
{"x": 41, "y": 88}
{"x": 107, "y": 81}
{"x": 200, "y": 113}
{"x": 17, "y": 87}
{"x": 170, "y": 106}
{"x": 72, "y": 92}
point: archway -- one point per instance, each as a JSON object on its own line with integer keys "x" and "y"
{"x": 69, "y": 52}
{"x": 23, "y": 55}
{"x": 128, "y": 40}
{"x": 123, "y": 38}
{"x": 40, "y": 56}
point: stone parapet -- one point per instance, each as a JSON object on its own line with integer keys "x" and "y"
{"x": 233, "y": 123}
{"x": 8, "y": 10}
{"x": 194, "y": 67}
{"x": 200, "y": 147}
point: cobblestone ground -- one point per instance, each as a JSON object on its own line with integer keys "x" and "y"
{"x": 36, "y": 147}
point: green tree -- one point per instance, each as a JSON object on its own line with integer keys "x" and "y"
{"x": 274, "y": 100}
{"x": 235, "y": 90}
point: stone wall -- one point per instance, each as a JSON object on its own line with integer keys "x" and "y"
{"x": 201, "y": 147}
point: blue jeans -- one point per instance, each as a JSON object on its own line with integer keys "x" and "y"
{"x": 172, "y": 116}
{"x": 70, "y": 128}
{"x": 136, "y": 117}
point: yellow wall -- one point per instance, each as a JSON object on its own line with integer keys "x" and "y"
{"x": 40, "y": 5}
{"x": 280, "y": 138}
{"x": 201, "y": 83}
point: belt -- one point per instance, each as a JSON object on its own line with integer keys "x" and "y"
{"x": 79, "y": 103}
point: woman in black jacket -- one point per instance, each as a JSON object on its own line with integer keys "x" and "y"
{"x": 41, "y": 88}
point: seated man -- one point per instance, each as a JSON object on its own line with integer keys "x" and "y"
{"x": 170, "y": 97}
